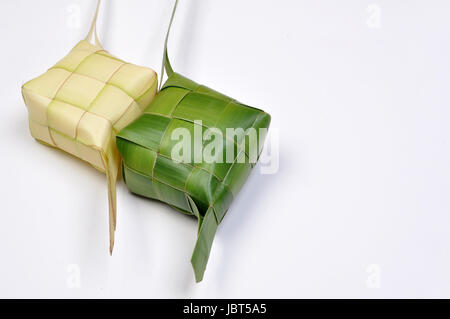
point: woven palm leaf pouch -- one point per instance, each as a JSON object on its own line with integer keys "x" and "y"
{"x": 162, "y": 161}
{"x": 80, "y": 104}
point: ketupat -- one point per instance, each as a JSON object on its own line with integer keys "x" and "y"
{"x": 199, "y": 188}
{"x": 79, "y": 105}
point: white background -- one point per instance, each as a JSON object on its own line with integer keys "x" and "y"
{"x": 359, "y": 93}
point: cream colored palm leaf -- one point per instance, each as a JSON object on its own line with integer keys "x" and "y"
{"x": 80, "y": 104}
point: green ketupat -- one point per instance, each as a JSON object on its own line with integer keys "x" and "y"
{"x": 196, "y": 187}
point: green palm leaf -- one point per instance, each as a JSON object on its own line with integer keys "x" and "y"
{"x": 202, "y": 189}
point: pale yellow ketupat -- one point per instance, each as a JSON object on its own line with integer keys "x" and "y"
{"x": 80, "y": 104}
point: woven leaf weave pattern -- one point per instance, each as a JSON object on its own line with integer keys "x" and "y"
{"x": 80, "y": 103}
{"x": 204, "y": 189}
